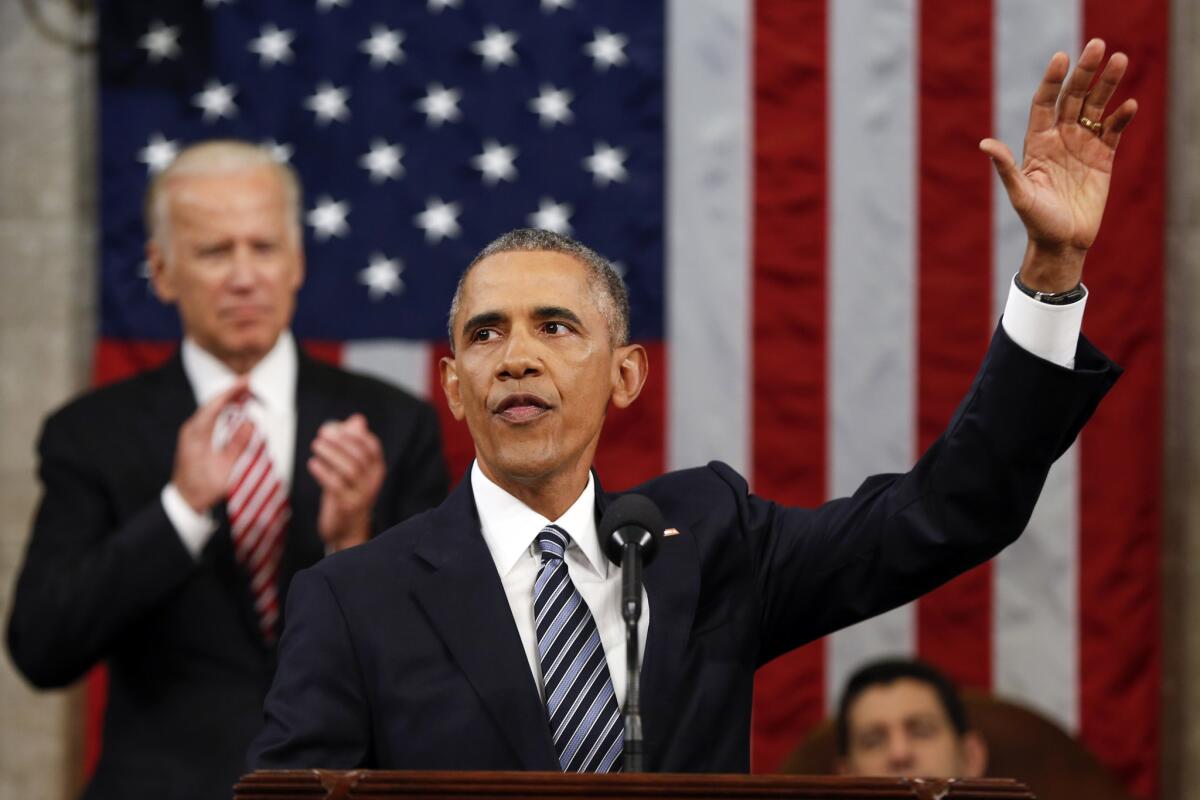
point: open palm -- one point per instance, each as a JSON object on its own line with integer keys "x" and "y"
{"x": 1060, "y": 188}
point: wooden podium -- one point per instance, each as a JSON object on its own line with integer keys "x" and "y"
{"x": 338, "y": 785}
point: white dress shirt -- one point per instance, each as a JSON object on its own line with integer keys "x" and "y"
{"x": 272, "y": 407}
{"x": 510, "y": 529}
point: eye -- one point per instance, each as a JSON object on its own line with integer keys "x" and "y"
{"x": 556, "y": 328}
{"x": 482, "y": 335}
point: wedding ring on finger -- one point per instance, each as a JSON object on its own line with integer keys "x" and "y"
{"x": 1091, "y": 125}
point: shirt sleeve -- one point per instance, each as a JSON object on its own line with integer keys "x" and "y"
{"x": 1049, "y": 332}
{"x": 194, "y": 529}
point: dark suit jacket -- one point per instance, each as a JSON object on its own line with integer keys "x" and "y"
{"x": 403, "y": 653}
{"x": 106, "y": 578}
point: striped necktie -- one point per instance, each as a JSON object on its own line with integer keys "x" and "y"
{"x": 585, "y": 722}
{"x": 258, "y": 515}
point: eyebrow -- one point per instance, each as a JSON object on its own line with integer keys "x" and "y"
{"x": 557, "y": 312}
{"x": 482, "y": 320}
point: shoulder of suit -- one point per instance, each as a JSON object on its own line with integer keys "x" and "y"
{"x": 711, "y": 476}
{"x": 379, "y": 552}
{"x": 114, "y": 400}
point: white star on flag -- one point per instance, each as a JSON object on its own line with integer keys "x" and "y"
{"x": 552, "y": 216}
{"x": 496, "y": 47}
{"x": 382, "y": 276}
{"x": 552, "y": 105}
{"x": 160, "y": 42}
{"x": 436, "y": 6}
{"x": 496, "y": 162}
{"x": 607, "y": 164}
{"x": 383, "y": 46}
{"x": 325, "y": 5}
{"x": 158, "y": 153}
{"x": 383, "y": 161}
{"x": 328, "y": 218}
{"x": 328, "y": 103}
{"x": 439, "y": 220}
{"x": 281, "y": 152}
{"x": 440, "y": 105}
{"x": 216, "y": 100}
{"x": 274, "y": 46}
{"x": 607, "y": 49}
{"x": 550, "y": 6}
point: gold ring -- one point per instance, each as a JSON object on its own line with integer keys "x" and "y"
{"x": 1094, "y": 127}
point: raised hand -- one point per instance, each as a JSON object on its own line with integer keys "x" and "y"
{"x": 1061, "y": 186}
{"x": 347, "y": 462}
{"x": 202, "y": 467}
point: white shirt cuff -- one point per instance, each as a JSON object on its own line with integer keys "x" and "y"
{"x": 194, "y": 529}
{"x": 1048, "y": 331}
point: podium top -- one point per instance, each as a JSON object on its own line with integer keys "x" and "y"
{"x": 347, "y": 785}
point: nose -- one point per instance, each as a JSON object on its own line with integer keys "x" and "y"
{"x": 900, "y": 755}
{"x": 243, "y": 271}
{"x": 520, "y": 358}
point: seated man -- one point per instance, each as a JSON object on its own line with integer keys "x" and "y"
{"x": 178, "y": 505}
{"x": 902, "y": 718}
{"x": 502, "y": 645}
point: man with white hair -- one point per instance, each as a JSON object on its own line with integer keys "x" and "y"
{"x": 178, "y": 504}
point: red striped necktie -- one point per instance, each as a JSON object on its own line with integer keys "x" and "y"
{"x": 259, "y": 511}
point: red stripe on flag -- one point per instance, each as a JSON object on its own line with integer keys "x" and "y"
{"x": 631, "y": 448}
{"x": 954, "y": 297}
{"x": 1121, "y": 448}
{"x": 789, "y": 320}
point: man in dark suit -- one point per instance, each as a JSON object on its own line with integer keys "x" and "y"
{"x": 502, "y": 647}
{"x": 178, "y": 504}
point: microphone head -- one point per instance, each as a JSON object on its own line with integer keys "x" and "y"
{"x": 631, "y": 517}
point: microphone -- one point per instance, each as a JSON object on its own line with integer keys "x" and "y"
{"x": 630, "y": 532}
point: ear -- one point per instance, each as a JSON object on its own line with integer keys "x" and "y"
{"x": 448, "y": 368}
{"x": 631, "y": 365}
{"x": 975, "y": 755}
{"x": 298, "y": 278}
{"x": 160, "y": 277}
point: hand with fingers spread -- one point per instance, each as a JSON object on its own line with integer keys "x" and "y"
{"x": 1060, "y": 188}
{"x": 347, "y": 462}
{"x": 202, "y": 466}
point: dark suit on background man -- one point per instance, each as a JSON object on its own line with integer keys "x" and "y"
{"x": 440, "y": 679}
{"x": 107, "y": 579}
{"x": 178, "y": 504}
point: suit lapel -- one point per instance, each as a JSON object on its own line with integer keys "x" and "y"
{"x": 314, "y": 406}
{"x": 672, "y": 585}
{"x": 466, "y": 603}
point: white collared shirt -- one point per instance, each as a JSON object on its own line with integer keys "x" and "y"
{"x": 272, "y": 406}
{"x": 510, "y": 530}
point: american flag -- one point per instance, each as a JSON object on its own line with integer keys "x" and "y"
{"x": 816, "y": 254}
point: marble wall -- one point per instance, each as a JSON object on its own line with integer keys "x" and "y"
{"x": 47, "y": 236}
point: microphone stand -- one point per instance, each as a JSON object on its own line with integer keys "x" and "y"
{"x": 631, "y": 610}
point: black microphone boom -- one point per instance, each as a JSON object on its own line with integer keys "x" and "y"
{"x": 630, "y": 532}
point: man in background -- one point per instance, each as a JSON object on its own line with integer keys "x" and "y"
{"x": 177, "y": 505}
{"x": 902, "y": 718}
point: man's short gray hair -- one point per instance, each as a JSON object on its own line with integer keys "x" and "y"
{"x": 217, "y": 157}
{"x": 608, "y": 288}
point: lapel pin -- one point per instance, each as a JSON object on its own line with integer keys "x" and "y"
{"x": 671, "y": 532}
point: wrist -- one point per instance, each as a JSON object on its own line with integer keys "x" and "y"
{"x": 1051, "y": 270}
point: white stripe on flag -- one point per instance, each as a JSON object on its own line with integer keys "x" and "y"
{"x": 872, "y": 275}
{"x": 399, "y": 361}
{"x": 709, "y": 240}
{"x": 1035, "y": 605}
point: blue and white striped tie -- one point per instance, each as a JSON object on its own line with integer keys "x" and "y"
{"x": 585, "y": 722}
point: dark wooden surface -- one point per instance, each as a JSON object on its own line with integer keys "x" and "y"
{"x": 335, "y": 785}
